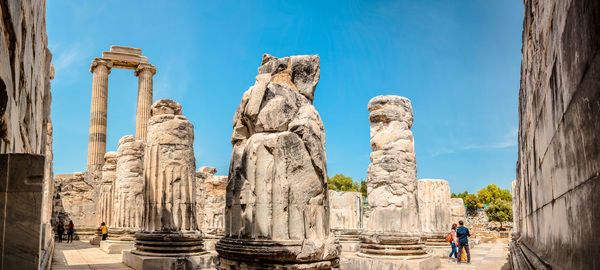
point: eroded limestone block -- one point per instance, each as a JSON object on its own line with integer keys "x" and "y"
{"x": 434, "y": 205}
{"x": 346, "y": 210}
{"x": 129, "y": 185}
{"x": 76, "y": 197}
{"x": 277, "y": 187}
{"x": 457, "y": 209}
{"x": 210, "y": 202}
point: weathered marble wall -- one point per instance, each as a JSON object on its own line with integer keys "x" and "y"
{"x": 25, "y": 98}
{"x": 346, "y": 210}
{"x": 210, "y": 200}
{"x": 75, "y": 198}
{"x": 433, "y": 196}
{"x": 558, "y": 170}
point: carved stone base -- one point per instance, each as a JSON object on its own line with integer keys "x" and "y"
{"x": 162, "y": 244}
{"x": 349, "y": 239}
{"x": 225, "y": 264}
{"x": 202, "y": 260}
{"x": 374, "y": 245}
{"x": 210, "y": 241}
{"x": 352, "y": 261}
{"x": 121, "y": 234}
{"x": 115, "y": 247}
{"x": 270, "y": 254}
{"x": 435, "y": 244}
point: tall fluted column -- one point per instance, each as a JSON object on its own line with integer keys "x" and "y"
{"x": 144, "y": 72}
{"x": 100, "y": 69}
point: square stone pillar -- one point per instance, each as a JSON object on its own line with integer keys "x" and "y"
{"x": 21, "y": 181}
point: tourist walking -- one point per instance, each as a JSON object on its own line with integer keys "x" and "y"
{"x": 60, "y": 229}
{"x": 70, "y": 229}
{"x": 463, "y": 241}
{"x": 453, "y": 243}
{"x": 104, "y": 230}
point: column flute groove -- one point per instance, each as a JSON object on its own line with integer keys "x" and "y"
{"x": 145, "y": 72}
{"x": 100, "y": 69}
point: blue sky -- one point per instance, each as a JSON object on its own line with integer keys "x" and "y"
{"x": 457, "y": 61}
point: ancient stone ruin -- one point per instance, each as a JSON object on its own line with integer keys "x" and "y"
{"x": 118, "y": 57}
{"x": 106, "y": 198}
{"x": 558, "y": 171}
{"x": 392, "y": 232}
{"x": 210, "y": 205}
{"x": 127, "y": 204}
{"x": 433, "y": 197}
{"x": 25, "y": 136}
{"x": 346, "y": 218}
{"x": 169, "y": 235}
{"x": 277, "y": 211}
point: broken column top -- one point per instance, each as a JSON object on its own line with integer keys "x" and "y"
{"x": 302, "y": 72}
{"x": 390, "y": 108}
{"x": 165, "y": 106}
{"x": 125, "y": 57}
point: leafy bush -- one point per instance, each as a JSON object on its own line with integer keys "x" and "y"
{"x": 340, "y": 182}
{"x": 500, "y": 211}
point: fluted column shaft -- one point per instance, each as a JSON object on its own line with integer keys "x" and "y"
{"x": 145, "y": 72}
{"x": 97, "y": 139}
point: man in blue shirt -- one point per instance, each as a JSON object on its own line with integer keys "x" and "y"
{"x": 463, "y": 241}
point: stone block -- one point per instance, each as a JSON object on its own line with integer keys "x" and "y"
{"x": 352, "y": 261}
{"x": 115, "y": 247}
{"x": 206, "y": 260}
{"x": 21, "y": 179}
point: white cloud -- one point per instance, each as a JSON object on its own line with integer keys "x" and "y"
{"x": 508, "y": 140}
{"x": 67, "y": 57}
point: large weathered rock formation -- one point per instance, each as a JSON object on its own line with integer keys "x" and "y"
{"x": 558, "y": 171}
{"x": 276, "y": 202}
{"x": 25, "y": 126}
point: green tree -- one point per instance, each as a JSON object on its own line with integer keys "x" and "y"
{"x": 459, "y": 195}
{"x": 363, "y": 189}
{"x": 471, "y": 202}
{"x": 492, "y": 192}
{"x": 500, "y": 211}
{"x": 340, "y": 182}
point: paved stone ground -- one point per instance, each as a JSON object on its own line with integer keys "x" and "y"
{"x": 82, "y": 255}
{"x": 483, "y": 256}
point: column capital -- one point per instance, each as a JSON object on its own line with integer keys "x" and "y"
{"x": 144, "y": 66}
{"x": 100, "y": 61}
